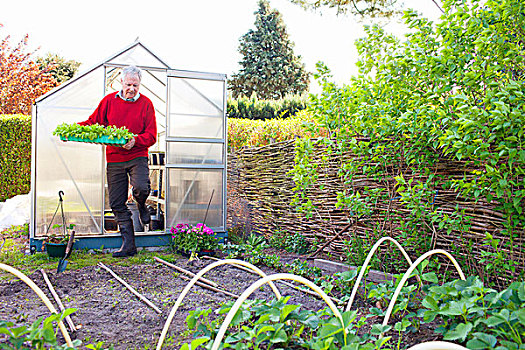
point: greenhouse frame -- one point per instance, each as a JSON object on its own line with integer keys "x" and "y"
{"x": 187, "y": 164}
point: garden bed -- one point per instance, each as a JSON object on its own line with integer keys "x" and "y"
{"x": 108, "y": 312}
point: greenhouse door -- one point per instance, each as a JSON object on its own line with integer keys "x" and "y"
{"x": 196, "y": 149}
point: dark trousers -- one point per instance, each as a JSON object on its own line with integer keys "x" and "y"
{"x": 119, "y": 176}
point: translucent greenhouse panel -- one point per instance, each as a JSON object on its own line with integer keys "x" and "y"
{"x": 196, "y": 108}
{"x": 83, "y": 93}
{"x": 195, "y": 153}
{"x": 138, "y": 55}
{"x": 72, "y": 167}
{"x": 190, "y": 191}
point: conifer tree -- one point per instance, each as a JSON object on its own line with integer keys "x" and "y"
{"x": 269, "y": 67}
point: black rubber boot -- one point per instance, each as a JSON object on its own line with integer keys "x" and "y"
{"x": 145, "y": 217}
{"x": 128, "y": 247}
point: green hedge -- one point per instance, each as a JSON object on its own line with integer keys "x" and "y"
{"x": 256, "y": 109}
{"x": 15, "y": 151}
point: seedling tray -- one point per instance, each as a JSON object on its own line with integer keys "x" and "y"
{"x": 102, "y": 140}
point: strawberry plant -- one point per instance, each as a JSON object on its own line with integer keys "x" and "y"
{"x": 278, "y": 325}
{"x": 479, "y": 316}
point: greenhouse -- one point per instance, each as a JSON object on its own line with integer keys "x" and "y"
{"x": 187, "y": 164}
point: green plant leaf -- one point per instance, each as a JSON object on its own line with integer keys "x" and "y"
{"x": 482, "y": 341}
{"x": 430, "y": 277}
{"x": 265, "y": 328}
{"x": 329, "y": 330}
{"x": 520, "y": 314}
{"x": 521, "y": 291}
{"x": 286, "y": 310}
{"x": 349, "y": 317}
{"x": 198, "y": 342}
{"x": 459, "y": 333}
{"x": 311, "y": 321}
{"x": 378, "y": 329}
{"x": 430, "y": 303}
{"x": 279, "y": 336}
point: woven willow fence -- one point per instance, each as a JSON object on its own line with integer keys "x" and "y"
{"x": 260, "y": 193}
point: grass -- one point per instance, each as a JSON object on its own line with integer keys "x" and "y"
{"x": 13, "y": 254}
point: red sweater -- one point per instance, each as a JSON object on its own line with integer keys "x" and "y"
{"x": 138, "y": 117}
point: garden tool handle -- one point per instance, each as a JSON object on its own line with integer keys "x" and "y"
{"x": 70, "y": 245}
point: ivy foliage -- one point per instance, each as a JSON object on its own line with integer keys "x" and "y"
{"x": 269, "y": 67}
{"x": 451, "y": 92}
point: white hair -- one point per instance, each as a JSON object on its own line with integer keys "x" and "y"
{"x": 131, "y": 70}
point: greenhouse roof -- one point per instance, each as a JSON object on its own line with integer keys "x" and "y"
{"x": 135, "y": 54}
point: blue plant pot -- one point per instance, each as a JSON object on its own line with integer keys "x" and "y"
{"x": 56, "y": 250}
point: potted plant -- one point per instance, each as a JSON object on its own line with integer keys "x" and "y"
{"x": 188, "y": 238}
{"x": 55, "y": 244}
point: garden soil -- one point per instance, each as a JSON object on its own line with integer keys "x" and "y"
{"x": 108, "y": 312}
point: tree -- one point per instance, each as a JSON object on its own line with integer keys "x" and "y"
{"x": 370, "y": 8}
{"x": 450, "y": 96}
{"x": 21, "y": 80}
{"x": 362, "y": 8}
{"x": 269, "y": 67}
{"x": 61, "y": 69}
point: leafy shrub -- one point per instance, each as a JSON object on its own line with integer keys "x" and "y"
{"x": 256, "y": 133}
{"x": 15, "y": 162}
{"x": 16, "y": 231}
{"x": 451, "y": 94}
{"x": 464, "y": 312}
{"x": 249, "y": 250}
{"x": 60, "y": 68}
{"x": 303, "y": 269}
{"x": 278, "y": 239}
{"x": 291, "y": 242}
{"x": 259, "y": 109}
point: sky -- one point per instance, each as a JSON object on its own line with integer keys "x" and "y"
{"x": 198, "y": 35}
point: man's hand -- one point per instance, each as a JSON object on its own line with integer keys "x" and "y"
{"x": 130, "y": 144}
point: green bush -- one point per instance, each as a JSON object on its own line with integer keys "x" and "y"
{"x": 15, "y": 148}
{"x": 449, "y": 96}
{"x": 254, "y": 108}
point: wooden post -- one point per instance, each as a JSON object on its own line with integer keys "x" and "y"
{"x": 131, "y": 289}
{"x": 68, "y": 319}
{"x": 189, "y": 273}
{"x": 203, "y": 285}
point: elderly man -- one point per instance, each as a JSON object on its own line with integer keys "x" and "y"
{"x": 129, "y": 163}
